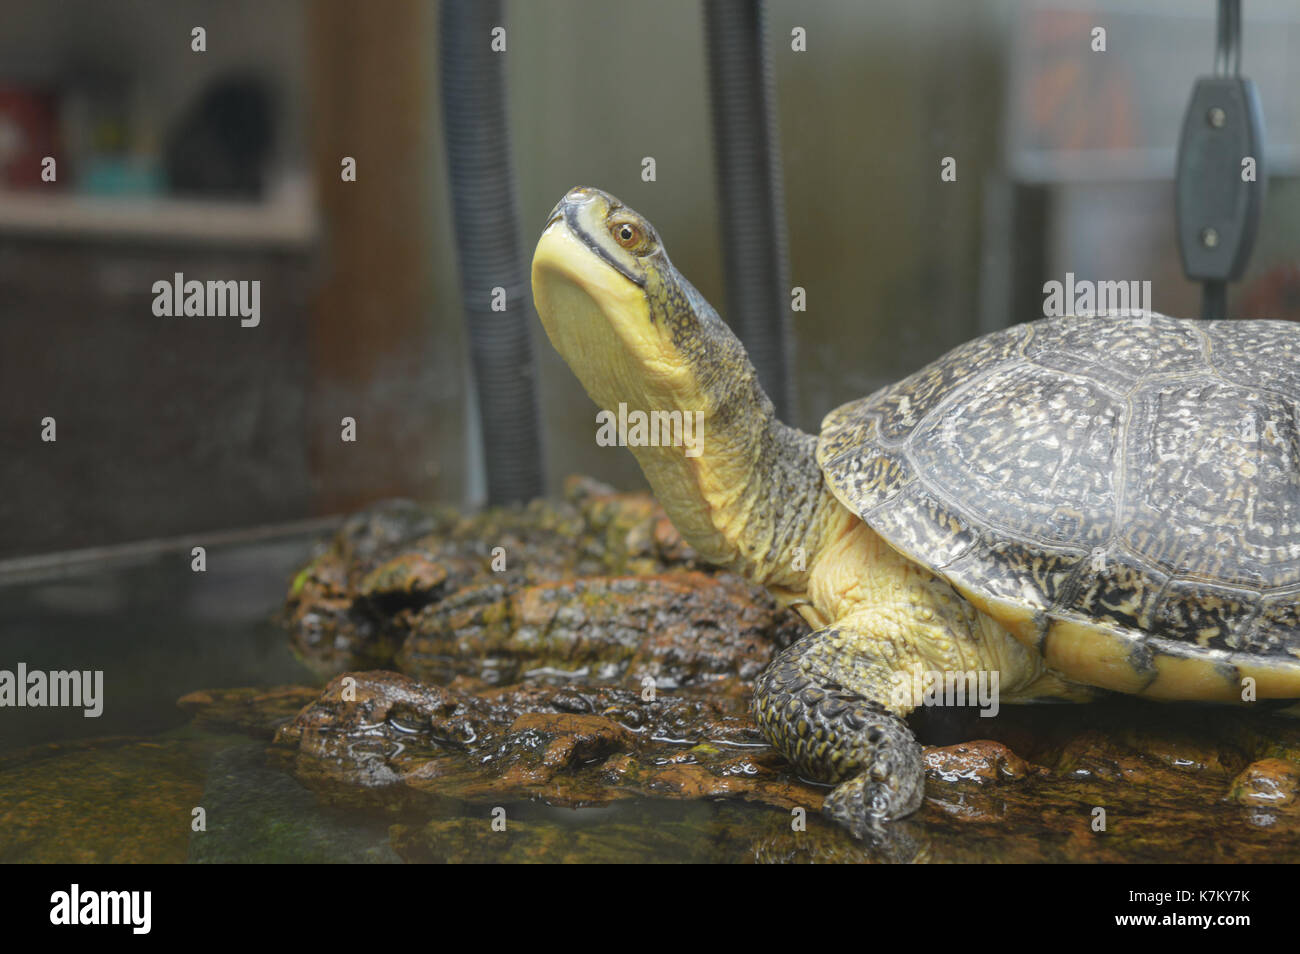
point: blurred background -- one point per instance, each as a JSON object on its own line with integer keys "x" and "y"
{"x": 225, "y": 164}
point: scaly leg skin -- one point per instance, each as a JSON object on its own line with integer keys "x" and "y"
{"x": 822, "y": 704}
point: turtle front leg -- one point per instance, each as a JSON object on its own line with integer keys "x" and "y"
{"x": 824, "y": 703}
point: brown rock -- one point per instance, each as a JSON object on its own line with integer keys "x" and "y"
{"x": 677, "y": 629}
{"x": 1092, "y": 754}
{"x": 382, "y": 738}
{"x": 566, "y": 741}
{"x": 411, "y": 577}
{"x": 352, "y": 606}
{"x": 979, "y": 763}
{"x": 116, "y": 801}
{"x": 1268, "y": 783}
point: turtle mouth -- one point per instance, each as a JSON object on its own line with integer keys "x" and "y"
{"x": 557, "y": 214}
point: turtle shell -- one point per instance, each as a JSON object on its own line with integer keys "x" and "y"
{"x": 1122, "y": 493}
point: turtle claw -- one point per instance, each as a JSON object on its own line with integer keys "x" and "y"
{"x": 892, "y": 787}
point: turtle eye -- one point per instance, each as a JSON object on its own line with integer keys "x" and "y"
{"x": 627, "y": 235}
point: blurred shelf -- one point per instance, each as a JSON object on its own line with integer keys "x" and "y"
{"x": 1044, "y": 167}
{"x": 288, "y": 217}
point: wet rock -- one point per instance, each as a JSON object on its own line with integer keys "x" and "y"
{"x": 382, "y": 739}
{"x": 1268, "y": 783}
{"x": 366, "y": 535}
{"x": 1206, "y": 754}
{"x": 540, "y": 744}
{"x": 390, "y": 567}
{"x": 368, "y": 732}
{"x": 409, "y": 579}
{"x": 116, "y": 801}
{"x": 677, "y": 630}
{"x": 440, "y": 758}
{"x": 1094, "y": 755}
{"x": 979, "y": 763}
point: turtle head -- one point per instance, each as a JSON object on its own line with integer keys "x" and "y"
{"x": 631, "y": 327}
{"x": 742, "y": 488}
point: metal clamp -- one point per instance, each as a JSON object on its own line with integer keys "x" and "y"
{"x": 1220, "y": 181}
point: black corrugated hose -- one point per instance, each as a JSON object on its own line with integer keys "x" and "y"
{"x": 487, "y": 236}
{"x": 748, "y": 167}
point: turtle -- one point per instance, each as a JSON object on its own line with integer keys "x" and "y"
{"x": 1078, "y": 505}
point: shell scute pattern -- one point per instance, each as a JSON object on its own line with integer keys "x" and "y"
{"x": 1121, "y": 351}
{"x": 1212, "y": 483}
{"x": 1116, "y": 589}
{"x": 1017, "y": 571}
{"x": 1238, "y": 352}
{"x": 905, "y": 404}
{"x": 934, "y": 527}
{"x": 1279, "y": 615}
{"x": 1019, "y": 454}
{"x": 1137, "y": 474}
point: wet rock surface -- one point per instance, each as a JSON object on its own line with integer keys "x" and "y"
{"x": 1268, "y": 783}
{"x": 1113, "y": 793}
{"x": 548, "y": 590}
{"x": 675, "y": 629}
{"x": 381, "y": 739}
{"x": 104, "y": 801}
{"x": 586, "y": 699}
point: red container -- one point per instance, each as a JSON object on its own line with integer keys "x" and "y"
{"x": 28, "y": 133}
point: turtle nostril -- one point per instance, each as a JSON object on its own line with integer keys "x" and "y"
{"x": 583, "y": 194}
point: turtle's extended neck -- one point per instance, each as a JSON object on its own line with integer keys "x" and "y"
{"x": 754, "y": 499}
{"x": 758, "y": 505}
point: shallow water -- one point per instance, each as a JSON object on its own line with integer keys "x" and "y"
{"x": 157, "y": 630}
{"x": 124, "y": 787}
